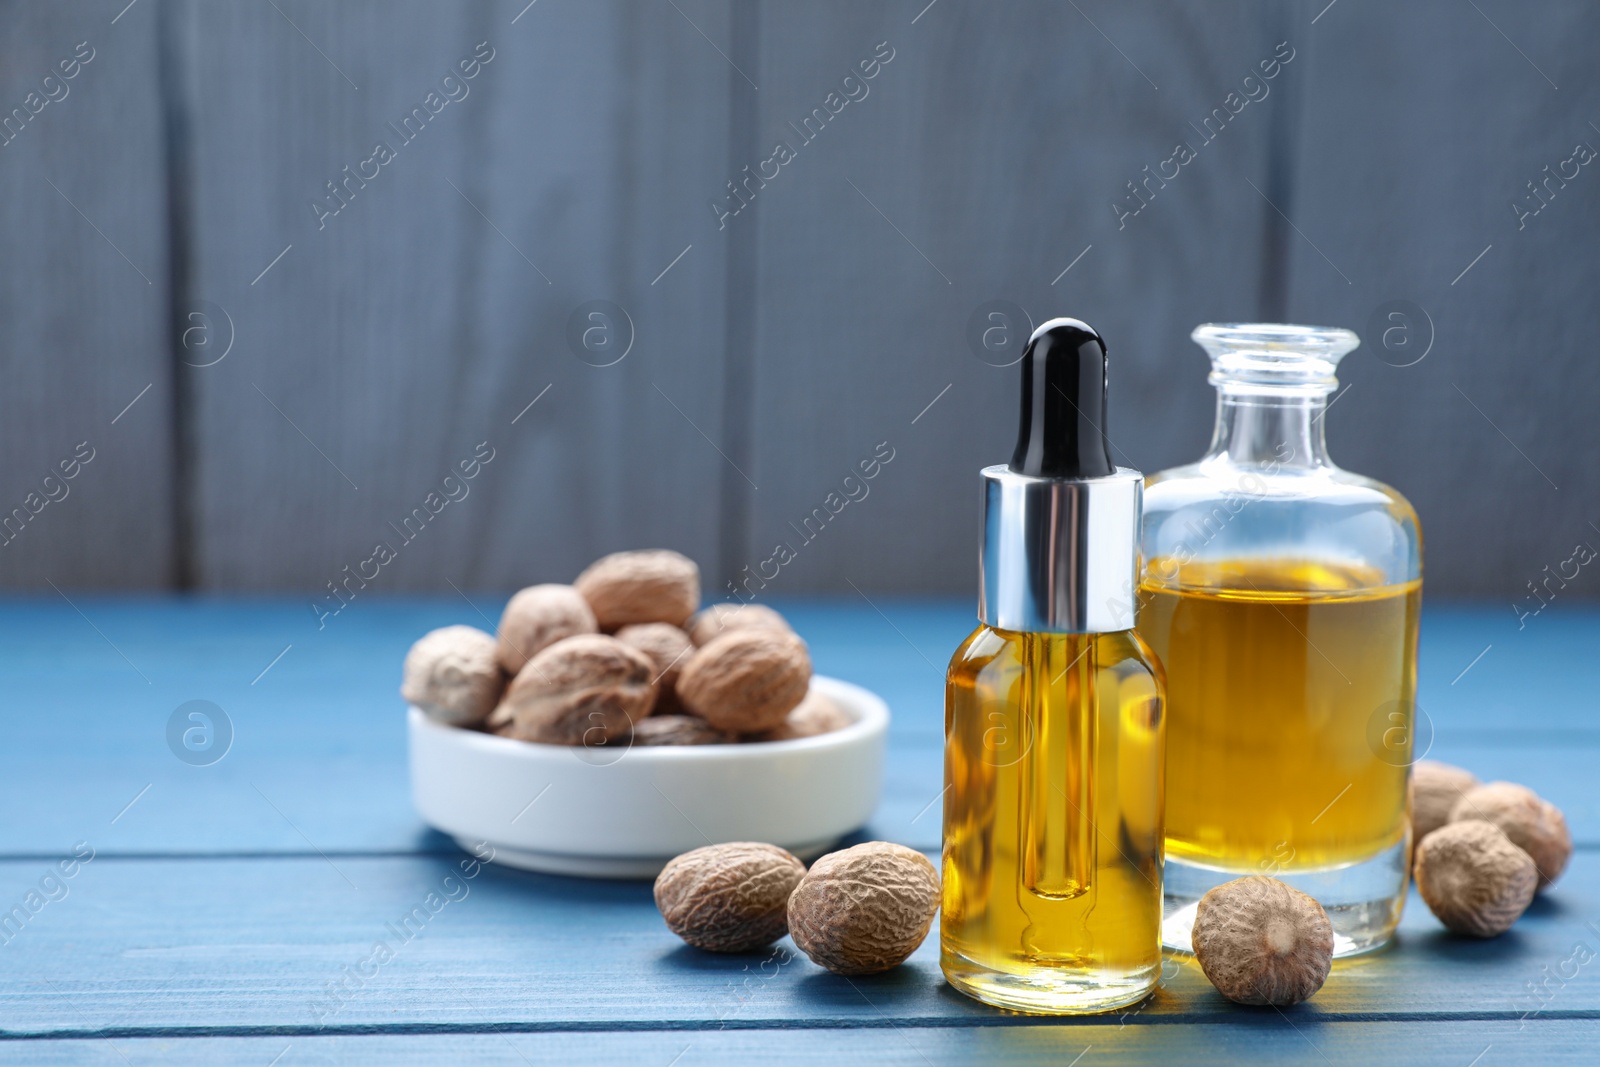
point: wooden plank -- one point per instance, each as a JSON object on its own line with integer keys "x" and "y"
{"x": 84, "y": 311}
{"x": 1265, "y": 1039}
{"x": 393, "y": 396}
{"x": 246, "y": 939}
{"x": 1422, "y": 125}
{"x": 271, "y": 805}
{"x": 981, "y": 164}
{"x": 145, "y": 947}
{"x": 431, "y": 310}
{"x": 326, "y": 710}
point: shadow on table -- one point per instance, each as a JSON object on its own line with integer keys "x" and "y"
{"x": 1445, "y": 947}
{"x": 876, "y": 990}
{"x": 536, "y": 886}
{"x": 768, "y": 961}
{"x": 893, "y": 993}
{"x": 1547, "y": 905}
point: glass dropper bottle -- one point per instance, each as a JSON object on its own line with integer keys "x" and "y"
{"x": 1054, "y": 731}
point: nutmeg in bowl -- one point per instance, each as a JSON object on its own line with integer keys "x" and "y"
{"x": 617, "y": 809}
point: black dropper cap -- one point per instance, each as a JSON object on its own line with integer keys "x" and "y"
{"x": 1062, "y": 431}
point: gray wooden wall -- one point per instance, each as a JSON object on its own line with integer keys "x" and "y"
{"x": 159, "y": 214}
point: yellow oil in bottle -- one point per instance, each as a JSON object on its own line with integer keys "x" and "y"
{"x": 1289, "y": 693}
{"x": 1052, "y": 820}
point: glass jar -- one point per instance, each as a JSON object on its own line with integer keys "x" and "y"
{"x": 1282, "y": 594}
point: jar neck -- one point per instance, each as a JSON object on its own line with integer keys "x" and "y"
{"x": 1269, "y": 428}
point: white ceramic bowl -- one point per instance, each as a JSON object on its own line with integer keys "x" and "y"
{"x": 624, "y": 812}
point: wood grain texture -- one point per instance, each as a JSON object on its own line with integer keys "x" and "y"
{"x": 84, "y": 325}
{"x": 1264, "y": 1039}
{"x": 142, "y": 946}
{"x": 327, "y": 714}
{"x": 982, "y": 163}
{"x": 223, "y": 901}
{"x": 430, "y": 311}
{"x": 1421, "y": 126}
{"x": 775, "y": 347}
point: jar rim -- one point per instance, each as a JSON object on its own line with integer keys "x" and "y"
{"x": 1274, "y": 355}
{"x": 1278, "y": 339}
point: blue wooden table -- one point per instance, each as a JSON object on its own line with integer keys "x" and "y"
{"x": 229, "y": 911}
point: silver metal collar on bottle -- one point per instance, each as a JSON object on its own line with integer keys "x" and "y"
{"x": 1060, "y": 555}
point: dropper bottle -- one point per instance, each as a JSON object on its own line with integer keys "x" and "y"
{"x": 1054, "y": 734}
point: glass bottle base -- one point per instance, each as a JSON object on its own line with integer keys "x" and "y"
{"x": 1051, "y": 991}
{"x": 1363, "y": 900}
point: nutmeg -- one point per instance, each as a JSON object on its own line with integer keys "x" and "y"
{"x": 1435, "y": 789}
{"x": 678, "y": 730}
{"x": 864, "y": 909}
{"x": 1532, "y": 823}
{"x": 653, "y": 585}
{"x": 716, "y": 619}
{"x": 537, "y": 617}
{"x": 728, "y": 898}
{"x": 451, "y": 675}
{"x": 668, "y": 648}
{"x": 746, "y": 681}
{"x": 815, "y": 715}
{"x": 1474, "y": 879}
{"x": 1260, "y": 941}
{"x": 582, "y": 690}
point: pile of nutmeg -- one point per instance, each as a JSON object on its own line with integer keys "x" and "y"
{"x": 1482, "y": 851}
{"x": 1481, "y": 854}
{"x": 861, "y": 910}
{"x": 623, "y": 655}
